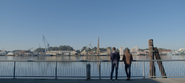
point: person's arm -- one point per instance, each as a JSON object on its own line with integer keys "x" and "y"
{"x": 111, "y": 56}
{"x": 123, "y": 57}
{"x": 118, "y": 56}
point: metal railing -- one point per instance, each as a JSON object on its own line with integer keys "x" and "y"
{"x": 77, "y": 69}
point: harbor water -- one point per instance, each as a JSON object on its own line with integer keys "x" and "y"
{"x": 67, "y": 69}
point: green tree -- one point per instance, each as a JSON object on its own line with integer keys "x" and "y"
{"x": 94, "y": 48}
{"x": 78, "y": 51}
{"x": 89, "y": 49}
{"x": 68, "y": 48}
{"x": 102, "y": 49}
{"x": 109, "y": 48}
{"x": 84, "y": 48}
{"x": 40, "y": 50}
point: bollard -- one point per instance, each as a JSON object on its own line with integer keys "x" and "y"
{"x": 88, "y": 71}
{"x": 160, "y": 64}
{"x": 151, "y": 57}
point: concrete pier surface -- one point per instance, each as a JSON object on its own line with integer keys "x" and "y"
{"x": 159, "y": 80}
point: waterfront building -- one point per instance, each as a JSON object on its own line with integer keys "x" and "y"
{"x": 73, "y": 53}
{"x": 108, "y": 51}
{"x": 54, "y": 53}
{"x": 103, "y": 53}
{"x": 61, "y": 52}
{"x": 134, "y": 50}
{"x": 182, "y": 49}
{"x": 3, "y": 52}
{"x": 10, "y": 53}
{"x": 83, "y": 53}
{"x": 165, "y": 51}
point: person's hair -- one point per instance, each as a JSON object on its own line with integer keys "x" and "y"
{"x": 113, "y": 48}
{"x": 126, "y": 49}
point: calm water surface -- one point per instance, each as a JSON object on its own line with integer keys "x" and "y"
{"x": 172, "y": 68}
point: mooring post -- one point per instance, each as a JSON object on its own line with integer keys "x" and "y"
{"x": 88, "y": 71}
{"x": 160, "y": 64}
{"x": 151, "y": 57}
{"x": 55, "y": 70}
{"x": 99, "y": 70}
{"x": 14, "y": 70}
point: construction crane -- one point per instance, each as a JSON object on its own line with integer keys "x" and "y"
{"x": 47, "y": 47}
{"x": 90, "y": 45}
{"x": 39, "y": 45}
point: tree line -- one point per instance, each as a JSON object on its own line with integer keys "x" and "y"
{"x": 69, "y": 48}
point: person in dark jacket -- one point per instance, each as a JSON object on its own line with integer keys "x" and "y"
{"x": 127, "y": 58}
{"x": 114, "y": 57}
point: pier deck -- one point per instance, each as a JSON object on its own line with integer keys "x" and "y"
{"x": 159, "y": 80}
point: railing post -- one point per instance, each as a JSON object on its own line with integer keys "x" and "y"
{"x": 55, "y": 70}
{"x": 14, "y": 70}
{"x": 88, "y": 71}
{"x": 143, "y": 69}
{"x": 99, "y": 70}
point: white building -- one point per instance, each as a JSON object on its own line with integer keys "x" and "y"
{"x": 10, "y": 53}
{"x": 83, "y": 53}
{"x": 54, "y": 52}
{"x": 61, "y": 52}
{"x": 3, "y": 52}
{"x": 182, "y": 49}
{"x": 134, "y": 50}
{"x": 121, "y": 50}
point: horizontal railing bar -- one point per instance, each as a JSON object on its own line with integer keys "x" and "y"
{"x": 164, "y": 76}
{"x": 34, "y": 76}
{"x": 81, "y": 60}
{"x": 6, "y": 76}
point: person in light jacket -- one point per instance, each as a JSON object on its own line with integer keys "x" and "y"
{"x": 127, "y": 58}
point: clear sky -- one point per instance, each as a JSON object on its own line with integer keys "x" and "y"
{"x": 126, "y": 23}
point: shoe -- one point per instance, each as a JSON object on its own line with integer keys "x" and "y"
{"x": 128, "y": 78}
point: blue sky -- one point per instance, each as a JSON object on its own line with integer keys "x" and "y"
{"x": 126, "y": 23}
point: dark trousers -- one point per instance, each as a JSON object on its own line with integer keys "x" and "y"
{"x": 114, "y": 65}
{"x": 127, "y": 72}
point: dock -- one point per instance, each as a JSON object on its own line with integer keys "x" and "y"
{"x": 158, "y": 80}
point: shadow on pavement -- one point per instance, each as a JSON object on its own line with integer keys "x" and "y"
{"x": 83, "y": 81}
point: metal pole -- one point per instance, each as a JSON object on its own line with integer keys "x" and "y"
{"x": 55, "y": 70}
{"x": 14, "y": 70}
{"x": 100, "y": 70}
{"x": 143, "y": 69}
{"x": 88, "y": 71}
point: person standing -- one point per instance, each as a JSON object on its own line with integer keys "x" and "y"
{"x": 127, "y": 58}
{"x": 114, "y": 57}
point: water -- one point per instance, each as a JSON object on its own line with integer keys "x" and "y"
{"x": 82, "y": 57}
{"x": 68, "y": 69}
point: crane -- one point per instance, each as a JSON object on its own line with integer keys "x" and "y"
{"x": 47, "y": 47}
{"x": 39, "y": 45}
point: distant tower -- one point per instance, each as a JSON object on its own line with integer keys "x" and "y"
{"x": 108, "y": 51}
{"x": 98, "y": 49}
{"x": 121, "y": 50}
